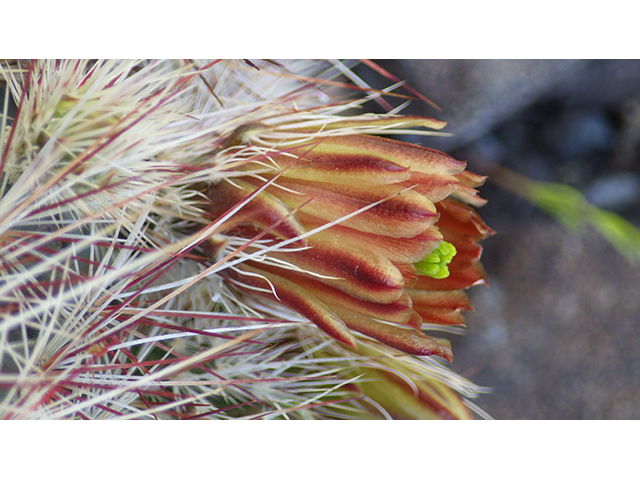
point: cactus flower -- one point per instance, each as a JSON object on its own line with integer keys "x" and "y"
{"x": 364, "y": 234}
{"x": 172, "y": 232}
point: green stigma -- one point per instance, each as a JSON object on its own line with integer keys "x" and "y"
{"x": 435, "y": 265}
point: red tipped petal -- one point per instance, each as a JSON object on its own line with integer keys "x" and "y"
{"x": 434, "y": 187}
{"x": 440, "y": 316}
{"x": 458, "y": 218}
{"x": 418, "y": 158}
{"x": 398, "y": 311}
{"x": 263, "y": 210}
{"x": 471, "y": 179}
{"x": 294, "y": 297}
{"x": 365, "y": 275}
{"x": 455, "y": 300}
{"x": 403, "y": 339}
{"x": 411, "y": 249}
{"x": 441, "y": 308}
{"x": 402, "y": 214}
{"x": 344, "y": 169}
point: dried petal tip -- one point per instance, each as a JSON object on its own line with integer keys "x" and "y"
{"x": 435, "y": 265}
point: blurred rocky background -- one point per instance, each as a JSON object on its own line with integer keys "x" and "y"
{"x": 557, "y": 333}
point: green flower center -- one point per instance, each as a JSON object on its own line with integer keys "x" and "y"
{"x": 435, "y": 265}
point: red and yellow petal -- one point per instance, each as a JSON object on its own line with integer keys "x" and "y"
{"x": 273, "y": 287}
{"x": 342, "y": 169}
{"x": 263, "y": 210}
{"x": 407, "y": 340}
{"x": 365, "y": 275}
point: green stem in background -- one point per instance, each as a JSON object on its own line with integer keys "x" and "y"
{"x": 567, "y": 205}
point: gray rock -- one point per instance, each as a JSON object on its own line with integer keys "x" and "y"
{"x": 615, "y": 191}
{"x": 476, "y": 95}
{"x": 570, "y": 313}
{"x": 581, "y": 132}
